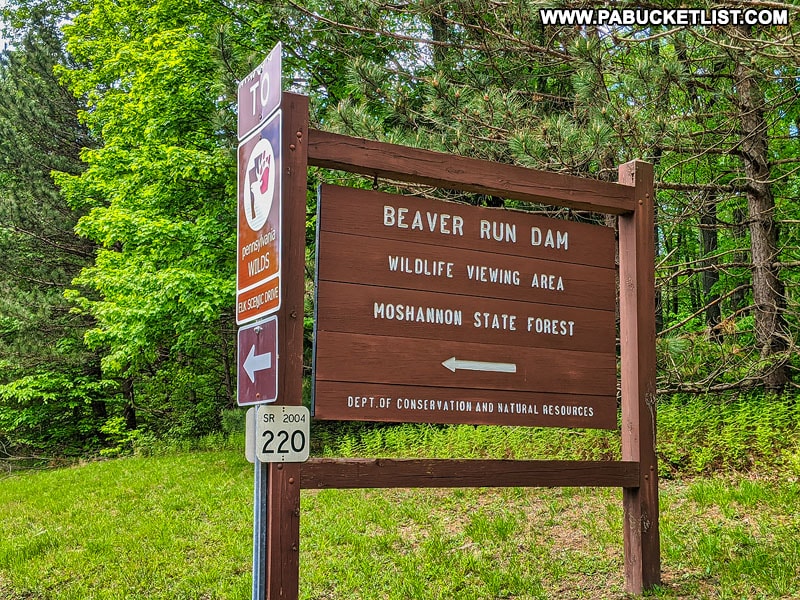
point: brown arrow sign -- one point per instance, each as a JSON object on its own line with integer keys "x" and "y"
{"x": 257, "y": 373}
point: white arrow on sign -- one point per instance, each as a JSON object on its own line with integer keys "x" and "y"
{"x": 479, "y": 365}
{"x": 256, "y": 362}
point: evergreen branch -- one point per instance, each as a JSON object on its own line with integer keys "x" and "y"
{"x": 391, "y": 34}
{"x": 702, "y": 310}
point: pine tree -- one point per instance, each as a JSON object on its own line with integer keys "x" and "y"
{"x": 52, "y": 395}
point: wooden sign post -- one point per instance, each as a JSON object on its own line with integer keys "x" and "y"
{"x": 282, "y": 486}
{"x": 468, "y": 332}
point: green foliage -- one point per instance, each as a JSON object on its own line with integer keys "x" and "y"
{"x": 159, "y": 200}
{"x": 119, "y": 438}
{"x": 53, "y": 398}
{"x": 702, "y": 435}
{"x": 496, "y": 84}
{"x": 59, "y": 413}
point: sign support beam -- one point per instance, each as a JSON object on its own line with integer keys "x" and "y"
{"x": 282, "y": 551}
{"x": 638, "y": 380}
{"x": 360, "y": 473}
{"x": 390, "y": 161}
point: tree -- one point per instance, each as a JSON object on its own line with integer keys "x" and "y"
{"x": 709, "y": 106}
{"x": 158, "y": 198}
{"x": 52, "y": 394}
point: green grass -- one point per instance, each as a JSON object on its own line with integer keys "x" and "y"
{"x": 161, "y": 527}
{"x": 178, "y": 526}
{"x": 175, "y": 521}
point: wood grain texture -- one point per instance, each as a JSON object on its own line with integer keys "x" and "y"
{"x": 638, "y": 380}
{"x": 410, "y": 473}
{"x": 283, "y": 487}
{"x": 409, "y": 361}
{"x": 456, "y": 225}
{"x": 372, "y": 310}
{"x": 346, "y": 401}
{"x": 409, "y": 265}
{"x": 334, "y": 151}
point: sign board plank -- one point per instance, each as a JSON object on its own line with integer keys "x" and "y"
{"x": 393, "y": 312}
{"x": 402, "y": 264}
{"x": 382, "y": 402}
{"x": 421, "y": 220}
{"x": 424, "y": 362}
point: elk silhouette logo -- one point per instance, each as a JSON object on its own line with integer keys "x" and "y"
{"x": 260, "y": 184}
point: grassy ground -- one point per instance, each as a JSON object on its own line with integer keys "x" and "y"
{"x": 179, "y": 526}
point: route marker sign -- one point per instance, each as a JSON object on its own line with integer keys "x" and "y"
{"x": 283, "y": 433}
{"x": 260, "y": 199}
{"x": 257, "y": 377}
{"x": 439, "y": 312}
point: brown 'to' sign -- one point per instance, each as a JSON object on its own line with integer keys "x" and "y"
{"x": 437, "y": 312}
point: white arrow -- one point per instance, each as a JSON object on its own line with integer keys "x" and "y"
{"x": 256, "y": 362}
{"x": 479, "y": 365}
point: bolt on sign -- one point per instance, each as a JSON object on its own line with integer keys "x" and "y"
{"x": 436, "y": 312}
{"x": 258, "y": 264}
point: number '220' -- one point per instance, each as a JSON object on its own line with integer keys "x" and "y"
{"x": 296, "y": 441}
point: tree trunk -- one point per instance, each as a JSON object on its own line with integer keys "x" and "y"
{"x": 737, "y": 299}
{"x": 768, "y": 290}
{"x": 439, "y": 33}
{"x": 709, "y": 235}
{"x": 129, "y": 412}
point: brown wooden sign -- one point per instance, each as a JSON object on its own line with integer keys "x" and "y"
{"x": 393, "y": 312}
{"x": 449, "y": 313}
{"x": 496, "y": 374}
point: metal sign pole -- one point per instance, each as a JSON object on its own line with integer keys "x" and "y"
{"x": 259, "y": 528}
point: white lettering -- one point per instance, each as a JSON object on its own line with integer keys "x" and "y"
{"x": 264, "y": 89}
{"x": 458, "y": 225}
{"x": 498, "y": 231}
{"x": 417, "y": 314}
{"x": 492, "y": 275}
{"x": 253, "y": 94}
{"x": 443, "y": 223}
{"x": 488, "y": 320}
{"x": 547, "y": 282}
{"x": 559, "y": 240}
{"x": 551, "y": 326}
{"x": 421, "y": 266}
{"x": 401, "y": 215}
{"x": 388, "y": 216}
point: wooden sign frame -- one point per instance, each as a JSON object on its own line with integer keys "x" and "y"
{"x": 637, "y": 473}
